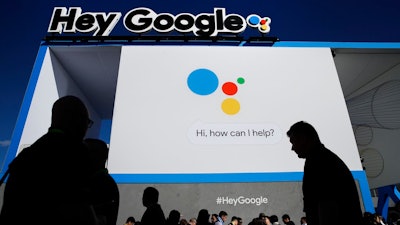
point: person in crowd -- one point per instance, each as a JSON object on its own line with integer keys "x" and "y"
{"x": 130, "y": 221}
{"x": 104, "y": 189}
{"x": 378, "y": 219}
{"x": 240, "y": 221}
{"x": 329, "y": 189}
{"x": 234, "y": 221}
{"x": 286, "y": 219}
{"x": 173, "y": 217}
{"x": 154, "y": 215}
{"x": 214, "y": 218}
{"x": 203, "y": 217}
{"x": 264, "y": 218}
{"x": 303, "y": 220}
{"x": 48, "y": 181}
{"x": 222, "y": 217}
{"x": 368, "y": 218}
{"x": 193, "y": 221}
{"x": 257, "y": 221}
{"x": 394, "y": 213}
{"x": 183, "y": 221}
{"x": 274, "y": 219}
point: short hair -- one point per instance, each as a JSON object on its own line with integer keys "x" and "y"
{"x": 70, "y": 115}
{"x": 174, "y": 216}
{"x": 68, "y": 107}
{"x": 98, "y": 148}
{"x": 285, "y": 216}
{"x": 151, "y": 194}
{"x": 303, "y": 128}
{"x": 222, "y": 213}
{"x": 130, "y": 219}
{"x": 273, "y": 218}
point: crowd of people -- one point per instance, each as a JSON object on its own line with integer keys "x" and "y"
{"x": 222, "y": 218}
{"x": 377, "y": 219}
{"x": 61, "y": 178}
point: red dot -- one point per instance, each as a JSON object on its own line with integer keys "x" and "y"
{"x": 229, "y": 88}
{"x": 263, "y": 22}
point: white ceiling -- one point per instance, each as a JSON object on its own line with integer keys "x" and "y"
{"x": 357, "y": 68}
{"x": 95, "y": 71}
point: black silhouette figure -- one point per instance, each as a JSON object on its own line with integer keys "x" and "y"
{"x": 154, "y": 214}
{"x": 104, "y": 190}
{"x": 48, "y": 181}
{"x": 329, "y": 188}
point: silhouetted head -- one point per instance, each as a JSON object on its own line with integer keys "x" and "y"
{"x": 273, "y": 218}
{"x": 303, "y": 220}
{"x": 304, "y": 138}
{"x": 257, "y": 221}
{"x": 203, "y": 216}
{"x": 130, "y": 220}
{"x": 174, "y": 216}
{"x": 98, "y": 151}
{"x": 150, "y": 196}
{"x": 70, "y": 115}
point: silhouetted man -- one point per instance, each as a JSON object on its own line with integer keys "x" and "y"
{"x": 47, "y": 183}
{"x": 329, "y": 190}
{"x": 153, "y": 215}
{"x": 104, "y": 189}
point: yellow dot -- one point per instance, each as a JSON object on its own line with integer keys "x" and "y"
{"x": 230, "y": 106}
{"x": 264, "y": 27}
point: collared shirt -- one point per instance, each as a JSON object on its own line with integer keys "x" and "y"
{"x": 219, "y": 222}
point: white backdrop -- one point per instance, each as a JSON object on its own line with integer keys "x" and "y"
{"x": 161, "y": 126}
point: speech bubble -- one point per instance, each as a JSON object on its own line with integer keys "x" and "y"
{"x": 231, "y": 133}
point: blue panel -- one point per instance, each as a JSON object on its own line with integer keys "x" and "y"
{"x": 105, "y": 130}
{"x": 26, "y": 103}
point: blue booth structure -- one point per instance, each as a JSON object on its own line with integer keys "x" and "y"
{"x": 139, "y": 88}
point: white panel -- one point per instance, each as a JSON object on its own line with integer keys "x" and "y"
{"x": 39, "y": 115}
{"x": 158, "y": 120}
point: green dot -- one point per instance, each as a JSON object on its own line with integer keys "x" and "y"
{"x": 240, "y": 80}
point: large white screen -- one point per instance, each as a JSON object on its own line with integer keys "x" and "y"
{"x": 176, "y": 109}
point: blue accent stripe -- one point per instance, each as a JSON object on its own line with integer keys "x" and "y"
{"x": 208, "y": 178}
{"x": 361, "y": 177}
{"x": 337, "y": 44}
{"x": 26, "y": 103}
{"x": 219, "y": 177}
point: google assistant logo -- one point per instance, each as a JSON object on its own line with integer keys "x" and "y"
{"x": 255, "y": 21}
{"x": 205, "y": 82}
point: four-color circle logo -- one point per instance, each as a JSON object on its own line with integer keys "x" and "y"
{"x": 205, "y": 82}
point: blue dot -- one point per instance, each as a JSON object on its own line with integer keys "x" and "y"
{"x": 254, "y": 20}
{"x": 202, "y": 81}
